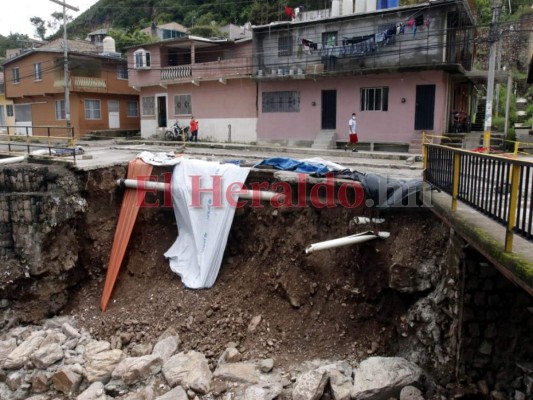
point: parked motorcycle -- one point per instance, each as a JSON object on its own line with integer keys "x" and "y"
{"x": 177, "y": 133}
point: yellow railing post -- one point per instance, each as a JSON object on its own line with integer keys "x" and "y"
{"x": 511, "y": 222}
{"x": 455, "y": 182}
{"x": 516, "y": 145}
{"x": 486, "y": 141}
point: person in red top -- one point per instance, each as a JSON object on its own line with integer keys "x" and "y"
{"x": 194, "y": 129}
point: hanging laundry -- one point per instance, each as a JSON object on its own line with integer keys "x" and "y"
{"x": 402, "y": 28}
{"x": 410, "y": 22}
{"x": 289, "y": 12}
{"x": 309, "y": 44}
{"x": 427, "y": 21}
{"x": 414, "y": 32}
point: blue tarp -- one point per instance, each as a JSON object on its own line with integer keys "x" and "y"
{"x": 303, "y": 166}
{"x": 385, "y": 192}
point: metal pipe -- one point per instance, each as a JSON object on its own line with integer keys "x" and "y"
{"x": 162, "y": 186}
{"x": 12, "y": 160}
{"x": 344, "y": 241}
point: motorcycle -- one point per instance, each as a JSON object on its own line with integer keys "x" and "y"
{"x": 175, "y": 132}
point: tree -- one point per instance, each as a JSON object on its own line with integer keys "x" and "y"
{"x": 13, "y": 41}
{"x": 57, "y": 20}
{"x": 124, "y": 39}
{"x": 40, "y": 26}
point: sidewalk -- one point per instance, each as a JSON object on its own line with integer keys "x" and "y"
{"x": 401, "y": 165}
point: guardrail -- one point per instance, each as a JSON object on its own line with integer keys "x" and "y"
{"x": 497, "y": 186}
{"x": 58, "y": 140}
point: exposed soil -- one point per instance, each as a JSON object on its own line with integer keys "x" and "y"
{"x": 332, "y": 304}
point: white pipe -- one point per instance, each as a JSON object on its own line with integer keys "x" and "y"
{"x": 12, "y": 160}
{"x": 353, "y": 239}
{"x": 161, "y": 187}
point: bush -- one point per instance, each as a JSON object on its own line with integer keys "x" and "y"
{"x": 498, "y": 123}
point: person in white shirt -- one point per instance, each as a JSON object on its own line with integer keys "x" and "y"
{"x": 352, "y": 131}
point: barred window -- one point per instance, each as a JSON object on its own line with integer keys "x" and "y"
{"x": 92, "y": 109}
{"x": 16, "y": 75}
{"x": 148, "y": 106}
{"x": 133, "y": 108}
{"x": 182, "y": 104}
{"x": 142, "y": 59}
{"x": 375, "y": 99}
{"x": 329, "y": 39}
{"x": 122, "y": 72}
{"x": 60, "y": 110}
{"x": 9, "y": 110}
{"x": 38, "y": 71}
{"x": 285, "y": 46}
{"x": 281, "y": 102}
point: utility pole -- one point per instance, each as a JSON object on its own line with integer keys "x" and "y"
{"x": 494, "y": 37}
{"x": 65, "y": 60}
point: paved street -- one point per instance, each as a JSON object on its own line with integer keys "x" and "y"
{"x": 396, "y": 165}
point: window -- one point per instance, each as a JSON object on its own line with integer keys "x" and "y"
{"x": 142, "y": 58}
{"x": 133, "y": 108}
{"x": 122, "y": 72}
{"x": 37, "y": 71}
{"x": 60, "y": 110}
{"x": 9, "y": 110}
{"x": 2, "y": 117}
{"x": 148, "y": 106}
{"x": 16, "y": 76}
{"x": 329, "y": 39}
{"x": 182, "y": 104}
{"x": 285, "y": 46}
{"x": 92, "y": 109}
{"x": 281, "y": 102}
{"x": 375, "y": 99}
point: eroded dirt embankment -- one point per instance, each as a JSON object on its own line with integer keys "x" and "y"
{"x": 389, "y": 297}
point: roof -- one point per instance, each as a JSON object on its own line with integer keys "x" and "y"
{"x": 102, "y": 31}
{"x": 415, "y": 7}
{"x": 185, "y": 40}
{"x": 74, "y": 48}
{"x": 174, "y": 26}
{"x": 73, "y": 45}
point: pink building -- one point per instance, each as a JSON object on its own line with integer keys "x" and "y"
{"x": 209, "y": 79}
{"x": 400, "y": 69}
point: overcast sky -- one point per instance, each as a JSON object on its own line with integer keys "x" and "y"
{"x": 15, "y": 15}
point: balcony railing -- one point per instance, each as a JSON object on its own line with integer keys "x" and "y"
{"x": 387, "y": 49}
{"x": 214, "y": 69}
{"x": 84, "y": 84}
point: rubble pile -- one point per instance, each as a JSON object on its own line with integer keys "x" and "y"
{"x": 55, "y": 360}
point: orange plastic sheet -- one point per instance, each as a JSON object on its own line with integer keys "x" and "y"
{"x": 128, "y": 213}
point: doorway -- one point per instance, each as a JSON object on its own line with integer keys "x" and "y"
{"x": 329, "y": 109}
{"x": 161, "y": 111}
{"x": 114, "y": 114}
{"x": 425, "y": 107}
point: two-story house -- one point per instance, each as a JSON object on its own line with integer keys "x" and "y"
{"x": 209, "y": 79}
{"x": 100, "y": 98}
{"x": 400, "y": 69}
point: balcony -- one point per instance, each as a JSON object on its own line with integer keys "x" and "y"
{"x": 233, "y": 68}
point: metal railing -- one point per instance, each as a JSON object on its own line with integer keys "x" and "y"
{"x": 57, "y": 140}
{"x": 497, "y": 186}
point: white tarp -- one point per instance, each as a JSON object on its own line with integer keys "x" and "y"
{"x": 203, "y": 231}
{"x": 159, "y": 158}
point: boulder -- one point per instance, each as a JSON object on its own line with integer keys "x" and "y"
{"x": 383, "y": 377}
